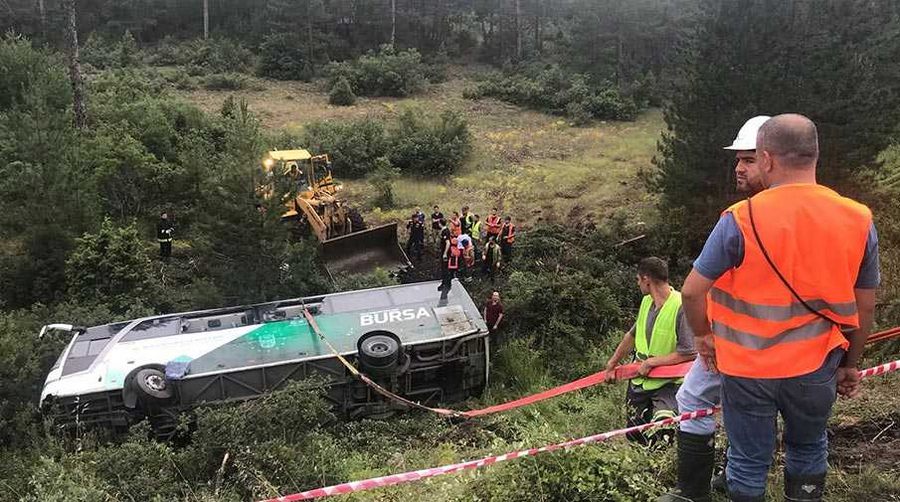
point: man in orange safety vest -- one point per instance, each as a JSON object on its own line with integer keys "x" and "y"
{"x": 781, "y": 302}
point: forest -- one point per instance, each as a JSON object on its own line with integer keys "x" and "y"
{"x": 598, "y": 125}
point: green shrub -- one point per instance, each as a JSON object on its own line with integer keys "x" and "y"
{"x": 382, "y": 179}
{"x": 610, "y": 472}
{"x": 24, "y": 67}
{"x": 354, "y": 146}
{"x": 283, "y": 57}
{"x": 139, "y": 469}
{"x": 214, "y": 55}
{"x": 556, "y": 91}
{"x": 430, "y": 147}
{"x": 104, "y": 53}
{"x": 226, "y": 82}
{"x": 385, "y": 73}
{"x": 341, "y": 94}
{"x": 111, "y": 267}
{"x": 71, "y": 481}
{"x": 182, "y": 80}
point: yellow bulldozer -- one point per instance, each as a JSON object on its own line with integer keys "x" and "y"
{"x": 313, "y": 203}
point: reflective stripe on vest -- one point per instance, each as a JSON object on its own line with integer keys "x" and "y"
{"x": 663, "y": 338}
{"x": 817, "y": 240}
{"x": 453, "y": 261}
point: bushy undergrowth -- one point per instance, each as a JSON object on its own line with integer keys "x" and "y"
{"x": 201, "y": 57}
{"x": 284, "y": 57}
{"x": 559, "y": 92}
{"x": 383, "y": 73}
{"x": 341, "y": 94}
{"x": 416, "y": 144}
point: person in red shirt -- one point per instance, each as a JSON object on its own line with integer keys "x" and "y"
{"x": 494, "y": 224}
{"x": 493, "y": 312}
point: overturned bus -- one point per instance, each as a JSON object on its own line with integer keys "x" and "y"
{"x": 417, "y": 340}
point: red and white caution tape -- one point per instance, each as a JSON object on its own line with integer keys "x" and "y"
{"x": 406, "y": 477}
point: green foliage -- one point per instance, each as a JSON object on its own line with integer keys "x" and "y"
{"x": 383, "y": 178}
{"x": 25, "y": 68}
{"x": 104, "y": 53}
{"x": 282, "y": 57}
{"x": 791, "y": 59}
{"x": 430, "y": 146}
{"x": 111, "y": 267}
{"x": 354, "y": 146}
{"x": 139, "y": 469}
{"x": 341, "y": 94}
{"x": 385, "y": 73}
{"x": 248, "y": 252}
{"x": 226, "y": 82}
{"x": 556, "y": 91}
{"x": 564, "y": 312}
{"x": 54, "y": 481}
{"x": 36, "y": 272}
{"x": 215, "y": 55}
{"x": 605, "y": 472}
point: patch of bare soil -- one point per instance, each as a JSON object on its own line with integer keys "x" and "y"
{"x": 873, "y": 442}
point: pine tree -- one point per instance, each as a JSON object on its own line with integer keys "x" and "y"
{"x": 341, "y": 93}
{"x": 753, "y": 57}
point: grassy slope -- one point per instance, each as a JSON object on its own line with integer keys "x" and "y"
{"x": 534, "y": 167}
{"x": 528, "y": 164}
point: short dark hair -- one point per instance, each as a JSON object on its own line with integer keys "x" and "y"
{"x": 654, "y": 268}
{"x": 792, "y": 138}
{"x": 436, "y": 206}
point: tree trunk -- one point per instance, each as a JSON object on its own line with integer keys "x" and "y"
{"x": 518, "y": 30}
{"x": 42, "y": 12}
{"x": 309, "y": 29}
{"x": 205, "y": 19}
{"x": 393, "y": 22}
{"x": 74, "y": 65}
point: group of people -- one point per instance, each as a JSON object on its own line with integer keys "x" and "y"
{"x": 462, "y": 240}
{"x": 775, "y": 315}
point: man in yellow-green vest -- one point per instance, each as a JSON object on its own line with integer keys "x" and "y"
{"x": 660, "y": 337}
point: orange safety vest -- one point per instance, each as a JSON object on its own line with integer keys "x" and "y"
{"x": 493, "y": 223}
{"x": 455, "y": 228}
{"x": 817, "y": 239}
{"x": 469, "y": 255}
{"x": 453, "y": 261}
{"x": 511, "y": 235}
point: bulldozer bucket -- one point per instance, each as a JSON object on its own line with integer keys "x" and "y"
{"x": 364, "y": 251}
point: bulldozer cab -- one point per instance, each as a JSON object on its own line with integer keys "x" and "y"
{"x": 310, "y": 174}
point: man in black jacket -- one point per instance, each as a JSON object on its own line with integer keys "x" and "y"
{"x": 164, "y": 231}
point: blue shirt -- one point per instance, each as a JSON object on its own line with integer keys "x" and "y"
{"x": 724, "y": 250}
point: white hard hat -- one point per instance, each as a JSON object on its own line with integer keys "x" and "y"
{"x": 746, "y": 137}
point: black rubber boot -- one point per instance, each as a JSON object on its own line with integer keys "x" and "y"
{"x": 696, "y": 458}
{"x": 804, "y": 488}
{"x": 744, "y": 498}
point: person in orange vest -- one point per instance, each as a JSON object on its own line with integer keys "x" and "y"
{"x": 494, "y": 224}
{"x": 452, "y": 255}
{"x": 702, "y": 389}
{"x": 455, "y": 225}
{"x": 660, "y": 337}
{"x": 781, "y": 301}
{"x": 507, "y": 238}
